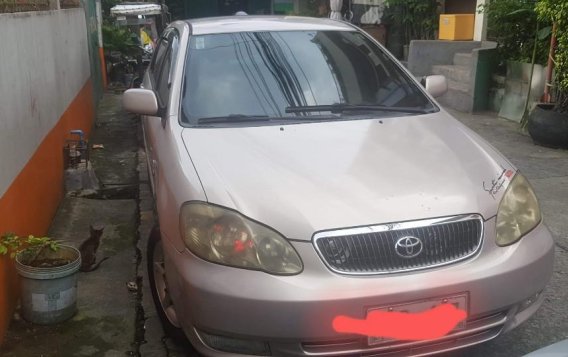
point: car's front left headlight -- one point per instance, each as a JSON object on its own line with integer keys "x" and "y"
{"x": 223, "y": 236}
{"x": 519, "y": 212}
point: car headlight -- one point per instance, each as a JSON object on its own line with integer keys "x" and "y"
{"x": 518, "y": 213}
{"x": 226, "y": 237}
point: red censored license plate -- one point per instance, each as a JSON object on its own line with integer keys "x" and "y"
{"x": 417, "y": 307}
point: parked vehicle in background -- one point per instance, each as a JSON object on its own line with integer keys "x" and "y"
{"x": 303, "y": 178}
{"x": 131, "y": 40}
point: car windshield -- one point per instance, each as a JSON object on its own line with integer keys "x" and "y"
{"x": 293, "y": 74}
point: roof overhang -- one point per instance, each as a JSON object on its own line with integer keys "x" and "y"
{"x": 135, "y": 9}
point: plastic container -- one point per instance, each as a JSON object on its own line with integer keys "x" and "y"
{"x": 457, "y": 27}
{"x": 49, "y": 294}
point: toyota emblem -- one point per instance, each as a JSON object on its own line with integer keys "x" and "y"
{"x": 408, "y": 247}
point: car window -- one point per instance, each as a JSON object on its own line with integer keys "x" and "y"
{"x": 174, "y": 53}
{"x": 159, "y": 57}
{"x": 263, "y": 73}
{"x": 163, "y": 79}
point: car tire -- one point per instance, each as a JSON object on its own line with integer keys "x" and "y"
{"x": 159, "y": 290}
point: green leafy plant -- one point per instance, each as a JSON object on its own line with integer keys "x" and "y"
{"x": 512, "y": 24}
{"x": 556, "y": 11}
{"x": 121, "y": 39}
{"x": 13, "y": 244}
{"x": 418, "y": 18}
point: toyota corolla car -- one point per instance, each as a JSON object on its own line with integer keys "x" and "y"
{"x": 315, "y": 200}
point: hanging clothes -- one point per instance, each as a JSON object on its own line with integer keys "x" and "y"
{"x": 368, "y": 12}
{"x": 336, "y": 9}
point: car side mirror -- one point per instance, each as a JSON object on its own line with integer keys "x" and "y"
{"x": 140, "y": 101}
{"x": 436, "y": 85}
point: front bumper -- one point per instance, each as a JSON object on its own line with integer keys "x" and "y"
{"x": 294, "y": 314}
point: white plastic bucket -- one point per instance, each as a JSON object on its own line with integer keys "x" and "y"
{"x": 49, "y": 294}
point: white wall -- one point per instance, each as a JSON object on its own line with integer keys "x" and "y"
{"x": 43, "y": 64}
{"x": 480, "y": 32}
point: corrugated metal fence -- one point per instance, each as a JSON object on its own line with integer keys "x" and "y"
{"x": 8, "y": 6}
{"x": 23, "y": 5}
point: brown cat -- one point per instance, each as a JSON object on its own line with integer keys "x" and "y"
{"x": 89, "y": 248}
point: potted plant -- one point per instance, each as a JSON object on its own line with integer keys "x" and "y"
{"x": 548, "y": 122}
{"x": 48, "y": 276}
{"x": 121, "y": 44}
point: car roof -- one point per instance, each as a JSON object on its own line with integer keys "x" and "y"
{"x": 246, "y": 23}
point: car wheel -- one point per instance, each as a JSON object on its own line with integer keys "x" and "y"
{"x": 159, "y": 288}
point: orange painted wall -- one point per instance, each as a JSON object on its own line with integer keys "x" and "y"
{"x": 30, "y": 203}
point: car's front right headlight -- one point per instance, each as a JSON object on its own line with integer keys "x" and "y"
{"x": 224, "y": 236}
{"x": 519, "y": 212}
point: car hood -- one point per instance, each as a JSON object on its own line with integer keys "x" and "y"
{"x": 308, "y": 177}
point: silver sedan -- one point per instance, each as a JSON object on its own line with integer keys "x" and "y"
{"x": 315, "y": 200}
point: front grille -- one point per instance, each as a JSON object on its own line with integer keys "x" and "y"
{"x": 400, "y": 247}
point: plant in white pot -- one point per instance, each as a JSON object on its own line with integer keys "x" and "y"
{"x": 48, "y": 274}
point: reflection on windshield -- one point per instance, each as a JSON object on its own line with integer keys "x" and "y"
{"x": 263, "y": 73}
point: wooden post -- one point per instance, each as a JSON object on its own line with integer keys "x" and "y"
{"x": 548, "y": 83}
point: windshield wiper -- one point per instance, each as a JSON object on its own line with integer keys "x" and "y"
{"x": 233, "y": 118}
{"x": 241, "y": 118}
{"x": 340, "y": 108}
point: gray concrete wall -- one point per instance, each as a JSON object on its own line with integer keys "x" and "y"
{"x": 425, "y": 53}
{"x": 44, "y": 65}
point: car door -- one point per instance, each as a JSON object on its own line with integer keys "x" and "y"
{"x": 159, "y": 80}
{"x": 173, "y": 176}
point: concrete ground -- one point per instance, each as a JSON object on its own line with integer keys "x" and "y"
{"x": 115, "y": 321}
{"x": 105, "y": 324}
